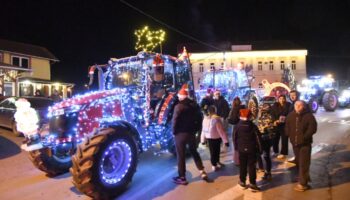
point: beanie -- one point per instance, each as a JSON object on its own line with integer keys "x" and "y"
{"x": 183, "y": 93}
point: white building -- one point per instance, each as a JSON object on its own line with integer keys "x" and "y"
{"x": 268, "y": 61}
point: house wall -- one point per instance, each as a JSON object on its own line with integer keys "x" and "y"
{"x": 231, "y": 60}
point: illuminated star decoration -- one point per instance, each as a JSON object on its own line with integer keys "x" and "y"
{"x": 147, "y": 40}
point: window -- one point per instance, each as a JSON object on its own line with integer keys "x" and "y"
{"x": 259, "y": 66}
{"x": 294, "y": 65}
{"x": 282, "y": 65}
{"x": 222, "y": 66}
{"x": 201, "y": 67}
{"x": 199, "y": 81}
{"x": 212, "y": 67}
{"x": 271, "y": 65}
{"x": 20, "y": 61}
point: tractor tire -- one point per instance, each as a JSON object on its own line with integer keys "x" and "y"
{"x": 313, "y": 105}
{"x": 330, "y": 101}
{"x": 104, "y": 164}
{"x": 50, "y": 163}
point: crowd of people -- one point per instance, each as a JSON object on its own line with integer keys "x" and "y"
{"x": 253, "y": 136}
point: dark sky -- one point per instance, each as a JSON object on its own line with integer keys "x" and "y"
{"x": 82, "y": 33}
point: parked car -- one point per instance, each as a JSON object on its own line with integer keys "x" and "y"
{"x": 8, "y": 110}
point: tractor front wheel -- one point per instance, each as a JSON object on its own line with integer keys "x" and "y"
{"x": 105, "y": 163}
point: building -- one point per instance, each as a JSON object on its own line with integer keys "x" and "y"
{"x": 267, "y": 59}
{"x": 26, "y": 68}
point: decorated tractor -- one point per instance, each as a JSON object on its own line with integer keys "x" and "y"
{"x": 99, "y": 135}
{"x": 319, "y": 90}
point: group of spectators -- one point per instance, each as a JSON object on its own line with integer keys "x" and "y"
{"x": 252, "y": 136}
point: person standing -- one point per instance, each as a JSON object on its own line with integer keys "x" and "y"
{"x": 222, "y": 106}
{"x": 233, "y": 119}
{"x": 223, "y": 110}
{"x": 214, "y": 133}
{"x": 267, "y": 130}
{"x": 293, "y": 97}
{"x": 186, "y": 121}
{"x": 207, "y": 101}
{"x": 280, "y": 111}
{"x": 300, "y": 126}
{"x": 247, "y": 142}
{"x": 56, "y": 96}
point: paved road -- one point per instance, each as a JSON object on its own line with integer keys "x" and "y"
{"x": 330, "y": 173}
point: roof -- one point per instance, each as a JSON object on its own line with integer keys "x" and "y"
{"x": 265, "y": 45}
{"x": 12, "y": 67}
{"x": 26, "y": 49}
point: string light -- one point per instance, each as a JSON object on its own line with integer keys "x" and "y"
{"x": 147, "y": 39}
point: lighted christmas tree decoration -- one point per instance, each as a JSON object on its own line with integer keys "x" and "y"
{"x": 147, "y": 39}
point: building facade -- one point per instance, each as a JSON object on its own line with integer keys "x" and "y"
{"x": 26, "y": 69}
{"x": 266, "y": 63}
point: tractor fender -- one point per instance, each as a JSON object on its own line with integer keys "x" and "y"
{"x": 126, "y": 126}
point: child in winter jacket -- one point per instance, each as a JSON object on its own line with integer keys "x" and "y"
{"x": 213, "y": 132}
{"x": 247, "y": 142}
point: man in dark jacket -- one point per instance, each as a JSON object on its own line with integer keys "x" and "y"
{"x": 300, "y": 127}
{"x": 221, "y": 104}
{"x": 247, "y": 143}
{"x": 207, "y": 101}
{"x": 186, "y": 122}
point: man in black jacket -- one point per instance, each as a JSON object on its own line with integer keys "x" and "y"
{"x": 300, "y": 127}
{"x": 187, "y": 120}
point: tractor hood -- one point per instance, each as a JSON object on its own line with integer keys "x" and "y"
{"x": 80, "y": 100}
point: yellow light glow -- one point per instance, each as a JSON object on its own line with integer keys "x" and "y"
{"x": 147, "y": 40}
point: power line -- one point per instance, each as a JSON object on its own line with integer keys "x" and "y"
{"x": 170, "y": 27}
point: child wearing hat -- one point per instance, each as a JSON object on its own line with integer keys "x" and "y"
{"x": 247, "y": 143}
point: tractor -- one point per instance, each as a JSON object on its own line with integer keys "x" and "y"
{"x": 319, "y": 90}
{"x": 98, "y": 136}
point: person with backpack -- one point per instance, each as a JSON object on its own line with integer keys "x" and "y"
{"x": 213, "y": 131}
{"x": 247, "y": 142}
{"x": 268, "y": 133}
{"x": 186, "y": 121}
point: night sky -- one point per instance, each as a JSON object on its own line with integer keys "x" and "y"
{"x": 82, "y": 33}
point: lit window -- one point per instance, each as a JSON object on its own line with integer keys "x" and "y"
{"x": 294, "y": 65}
{"x": 271, "y": 65}
{"x": 282, "y": 65}
{"x": 212, "y": 67}
{"x": 20, "y": 61}
{"x": 260, "y": 66}
{"x": 201, "y": 67}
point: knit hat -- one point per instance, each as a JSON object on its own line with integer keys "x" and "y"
{"x": 183, "y": 93}
{"x": 244, "y": 114}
